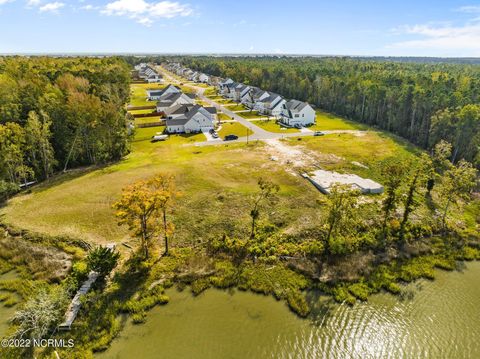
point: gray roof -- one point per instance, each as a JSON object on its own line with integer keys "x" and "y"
{"x": 179, "y": 121}
{"x": 295, "y": 105}
{"x": 212, "y": 110}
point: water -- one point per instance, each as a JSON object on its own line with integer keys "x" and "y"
{"x": 439, "y": 319}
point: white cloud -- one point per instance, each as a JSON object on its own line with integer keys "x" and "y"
{"x": 469, "y": 9}
{"x": 5, "y": 1}
{"x": 33, "y": 3}
{"x": 89, "y": 7}
{"x": 51, "y": 7}
{"x": 441, "y": 39}
{"x": 146, "y": 13}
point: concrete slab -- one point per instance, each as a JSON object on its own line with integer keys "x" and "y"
{"x": 324, "y": 180}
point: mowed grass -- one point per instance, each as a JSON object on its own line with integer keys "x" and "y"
{"x": 217, "y": 183}
{"x": 138, "y": 94}
{"x": 149, "y": 119}
{"x": 327, "y": 121}
{"x": 252, "y": 114}
{"x": 237, "y": 107}
{"x": 223, "y": 117}
{"x": 273, "y": 126}
{"x": 337, "y": 151}
{"x": 234, "y": 128}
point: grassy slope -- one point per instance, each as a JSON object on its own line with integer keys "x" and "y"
{"x": 216, "y": 182}
{"x": 328, "y": 121}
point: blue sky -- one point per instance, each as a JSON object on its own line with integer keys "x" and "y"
{"x": 411, "y": 28}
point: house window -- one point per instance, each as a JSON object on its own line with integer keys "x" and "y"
{"x": 303, "y": 115}
{"x": 297, "y": 115}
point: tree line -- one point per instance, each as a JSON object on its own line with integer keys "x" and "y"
{"x": 422, "y": 102}
{"x": 59, "y": 113}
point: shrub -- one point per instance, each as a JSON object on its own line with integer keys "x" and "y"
{"x": 102, "y": 260}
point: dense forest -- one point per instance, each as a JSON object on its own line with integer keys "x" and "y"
{"x": 422, "y": 102}
{"x": 58, "y": 113}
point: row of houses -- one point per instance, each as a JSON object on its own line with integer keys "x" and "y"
{"x": 182, "y": 114}
{"x": 292, "y": 113}
{"x": 192, "y": 75}
{"x": 148, "y": 73}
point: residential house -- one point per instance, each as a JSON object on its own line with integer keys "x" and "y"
{"x": 173, "y": 99}
{"x": 271, "y": 105}
{"x": 254, "y": 95}
{"x": 155, "y": 95}
{"x": 297, "y": 113}
{"x": 203, "y": 78}
{"x": 240, "y": 92}
{"x": 193, "y": 119}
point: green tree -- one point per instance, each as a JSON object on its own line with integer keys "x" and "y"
{"x": 342, "y": 214}
{"x": 457, "y": 184}
{"x": 142, "y": 205}
{"x": 267, "y": 191}
{"x": 38, "y": 137}
{"x": 102, "y": 260}
{"x": 393, "y": 171}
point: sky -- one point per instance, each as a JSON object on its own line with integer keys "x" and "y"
{"x": 335, "y": 27}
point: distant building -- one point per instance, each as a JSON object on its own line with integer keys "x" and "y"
{"x": 296, "y": 112}
{"x": 190, "y": 119}
{"x": 156, "y": 95}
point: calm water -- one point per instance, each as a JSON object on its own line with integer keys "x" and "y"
{"x": 439, "y": 319}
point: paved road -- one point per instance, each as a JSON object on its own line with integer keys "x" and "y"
{"x": 258, "y": 132}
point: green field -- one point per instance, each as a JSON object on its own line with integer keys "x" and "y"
{"x": 252, "y": 114}
{"x": 138, "y": 94}
{"x": 338, "y": 151}
{"x": 223, "y": 117}
{"x": 237, "y": 107}
{"x": 326, "y": 121}
{"x": 234, "y": 128}
{"x": 216, "y": 182}
{"x": 273, "y": 126}
{"x": 148, "y": 119}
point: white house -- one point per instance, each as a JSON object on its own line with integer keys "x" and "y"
{"x": 203, "y": 78}
{"x": 173, "y": 99}
{"x": 195, "y": 119}
{"x": 271, "y": 105}
{"x": 155, "y": 95}
{"x": 239, "y": 92}
{"x": 296, "y": 113}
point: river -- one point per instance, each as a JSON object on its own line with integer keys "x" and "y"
{"x": 435, "y": 319}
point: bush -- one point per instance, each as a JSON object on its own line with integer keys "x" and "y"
{"x": 102, "y": 260}
{"x": 7, "y": 190}
{"x": 359, "y": 290}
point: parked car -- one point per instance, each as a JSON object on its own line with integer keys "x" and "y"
{"x": 231, "y": 137}
{"x": 318, "y": 133}
{"x": 298, "y": 125}
{"x": 214, "y": 134}
{"x": 211, "y": 130}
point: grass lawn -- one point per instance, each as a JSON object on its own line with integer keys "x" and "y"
{"x": 326, "y": 121}
{"x": 272, "y": 126}
{"x": 225, "y": 101}
{"x": 223, "y": 117}
{"x": 141, "y": 112}
{"x": 338, "y": 151}
{"x": 234, "y": 128}
{"x": 138, "y": 94}
{"x": 251, "y": 114}
{"x": 217, "y": 183}
{"x": 237, "y": 107}
{"x": 148, "y": 119}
